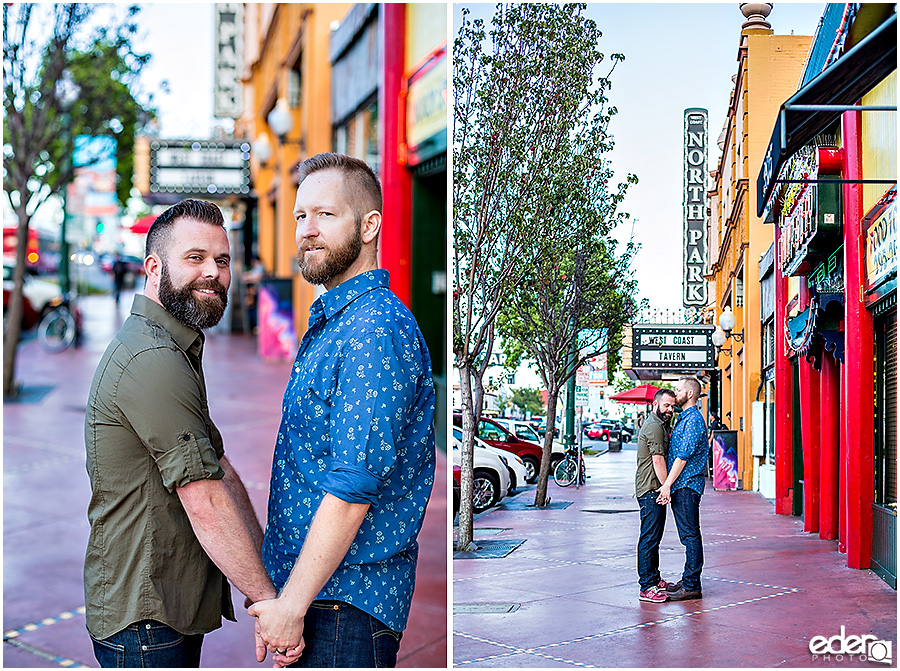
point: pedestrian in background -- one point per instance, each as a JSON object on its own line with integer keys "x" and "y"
{"x": 119, "y": 269}
{"x": 652, "y": 446}
{"x": 684, "y": 484}
{"x": 168, "y": 513}
{"x": 354, "y": 458}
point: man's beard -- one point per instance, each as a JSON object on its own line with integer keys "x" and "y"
{"x": 195, "y": 313}
{"x": 662, "y": 415}
{"x": 337, "y": 261}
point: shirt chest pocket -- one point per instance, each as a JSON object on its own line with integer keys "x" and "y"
{"x": 309, "y": 398}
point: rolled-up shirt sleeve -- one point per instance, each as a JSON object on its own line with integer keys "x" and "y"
{"x": 377, "y": 383}
{"x": 161, "y": 397}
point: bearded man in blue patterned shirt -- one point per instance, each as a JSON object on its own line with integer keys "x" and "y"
{"x": 354, "y": 459}
{"x": 684, "y": 485}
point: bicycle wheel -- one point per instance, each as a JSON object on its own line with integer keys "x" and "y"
{"x": 565, "y": 472}
{"x": 56, "y": 331}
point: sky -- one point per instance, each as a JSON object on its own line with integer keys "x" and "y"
{"x": 676, "y": 56}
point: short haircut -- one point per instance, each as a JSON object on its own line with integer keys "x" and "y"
{"x": 657, "y": 397}
{"x": 695, "y": 385}
{"x": 159, "y": 235}
{"x": 363, "y": 183}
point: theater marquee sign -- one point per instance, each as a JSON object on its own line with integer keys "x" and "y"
{"x": 695, "y": 152}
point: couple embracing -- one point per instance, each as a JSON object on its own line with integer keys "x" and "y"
{"x": 671, "y": 468}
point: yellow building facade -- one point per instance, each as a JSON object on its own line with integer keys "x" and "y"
{"x": 769, "y": 68}
{"x": 287, "y": 66}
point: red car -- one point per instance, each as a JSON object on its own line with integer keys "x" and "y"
{"x": 494, "y": 434}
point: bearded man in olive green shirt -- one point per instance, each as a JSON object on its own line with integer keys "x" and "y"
{"x": 653, "y": 441}
{"x": 171, "y": 521}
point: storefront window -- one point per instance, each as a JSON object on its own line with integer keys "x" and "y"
{"x": 357, "y": 136}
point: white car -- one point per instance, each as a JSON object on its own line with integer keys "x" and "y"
{"x": 491, "y": 476}
{"x": 518, "y": 471}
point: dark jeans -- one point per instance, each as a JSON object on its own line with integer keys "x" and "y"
{"x": 148, "y": 644}
{"x": 341, "y": 636}
{"x": 686, "y": 508}
{"x": 653, "y": 523}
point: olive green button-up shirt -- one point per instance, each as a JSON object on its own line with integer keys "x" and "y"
{"x": 653, "y": 438}
{"x": 147, "y": 433}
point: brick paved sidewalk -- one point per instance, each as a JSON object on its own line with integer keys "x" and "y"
{"x": 571, "y": 586}
{"x": 46, "y": 492}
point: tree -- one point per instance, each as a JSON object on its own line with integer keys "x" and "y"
{"x": 527, "y": 400}
{"x": 586, "y": 296}
{"x": 61, "y": 79}
{"x": 521, "y": 95}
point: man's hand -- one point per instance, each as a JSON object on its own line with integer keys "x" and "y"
{"x": 278, "y": 630}
{"x": 665, "y": 495}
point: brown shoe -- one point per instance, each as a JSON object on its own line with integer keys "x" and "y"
{"x": 673, "y": 586}
{"x": 682, "y": 594}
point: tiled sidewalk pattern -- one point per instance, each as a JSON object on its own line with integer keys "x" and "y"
{"x": 768, "y": 587}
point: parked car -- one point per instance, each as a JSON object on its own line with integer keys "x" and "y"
{"x": 491, "y": 477}
{"x": 38, "y": 297}
{"x": 518, "y": 472}
{"x": 499, "y": 436}
{"x": 600, "y": 430}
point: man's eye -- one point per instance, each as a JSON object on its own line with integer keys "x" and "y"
{"x": 223, "y": 262}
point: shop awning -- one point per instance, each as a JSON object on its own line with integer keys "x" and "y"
{"x": 818, "y": 104}
{"x": 641, "y": 394}
{"x": 142, "y": 225}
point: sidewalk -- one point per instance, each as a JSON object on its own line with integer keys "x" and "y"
{"x": 46, "y": 492}
{"x": 567, "y": 596}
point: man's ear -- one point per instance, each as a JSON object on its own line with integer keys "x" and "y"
{"x": 153, "y": 269}
{"x": 371, "y": 226}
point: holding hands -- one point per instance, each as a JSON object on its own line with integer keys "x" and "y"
{"x": 665, "y": 495}
{"x": 278, "y": 630}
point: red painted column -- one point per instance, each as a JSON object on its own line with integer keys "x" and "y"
{"x": 809, "y": 427}
{"x": 844, "y": 456}
{"x": 829, "y": 465}
{"x": 396, "y": 183}
{"x": 859, "y": 338}
{"x": 784, "y": 397}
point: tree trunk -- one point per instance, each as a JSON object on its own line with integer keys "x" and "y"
{"x": 540, "y": 496}
{"x": 467, "y": 462}
{"x": 14, "y": 311}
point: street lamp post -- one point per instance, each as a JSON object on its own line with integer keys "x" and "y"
{"x": 67, "y": 91}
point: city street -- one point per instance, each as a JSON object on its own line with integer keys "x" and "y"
{"x": 567, "y": 594}
{"x": 46, "y": 492}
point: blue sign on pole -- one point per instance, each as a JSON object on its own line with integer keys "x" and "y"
{"x": 95, "y": 151}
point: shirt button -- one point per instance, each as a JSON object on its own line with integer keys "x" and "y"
{"x": 148, "y": 626}
{"x": 144, "y": 648}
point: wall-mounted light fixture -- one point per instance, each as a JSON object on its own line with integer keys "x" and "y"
{"x": 280, "y": 122}
{"x": 724, "y": 331}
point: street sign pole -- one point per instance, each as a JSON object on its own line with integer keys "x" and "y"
{"x": 569, "y": 438}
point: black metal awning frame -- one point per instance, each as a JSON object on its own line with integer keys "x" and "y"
{"x": 818, "y": 104}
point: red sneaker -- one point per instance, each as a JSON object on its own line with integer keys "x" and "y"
{"x": 653, "y": 595}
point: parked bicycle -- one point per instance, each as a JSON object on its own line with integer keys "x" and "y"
{"x": 60, "y": 328}
{"x": 570, "y": 468}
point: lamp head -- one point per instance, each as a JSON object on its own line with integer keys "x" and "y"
{"x": 726, "y": 320}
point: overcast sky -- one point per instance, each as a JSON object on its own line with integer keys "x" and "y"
{"x": 677, "y": 55}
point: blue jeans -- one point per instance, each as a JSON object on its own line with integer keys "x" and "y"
{"x": 686, "y": 508}
{"x": 148, "y": 644}
{"x": 341, "y": 636}
{"x": 653, "y": 523}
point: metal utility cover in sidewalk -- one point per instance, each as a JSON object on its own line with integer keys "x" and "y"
{"x": 490, "y": 550}
{"x": 484, "y": 608}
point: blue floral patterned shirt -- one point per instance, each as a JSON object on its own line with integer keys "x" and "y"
{"x": 357, "y": 423}
{"x": 690, "y": 442}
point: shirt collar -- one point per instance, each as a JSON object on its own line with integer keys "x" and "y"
{"x": 184, "y": 336}
{"x": 335, "y": 300}
{"x": 656, "y": 418}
